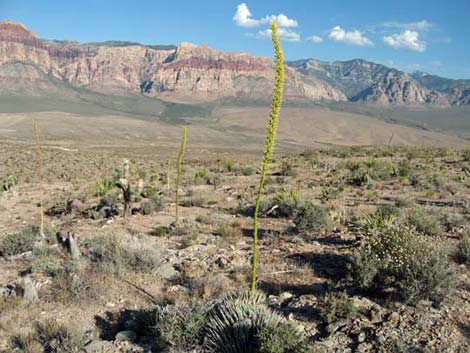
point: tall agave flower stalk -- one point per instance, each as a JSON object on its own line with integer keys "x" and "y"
{"x": 270, "y": 139}
{"x": 39, "y": 173}
{"x": 178, "y": 171}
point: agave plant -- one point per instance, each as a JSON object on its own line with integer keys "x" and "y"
{"x": 269, "y": 143}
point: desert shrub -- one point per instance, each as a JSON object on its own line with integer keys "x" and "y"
{"x": 451, "y": 221}
{"x": 160, "y": 231}
{"x": 331, "y": 192}
{"x": 403, "y": 202}
{"x": 383, "y": 217}
{"x": 49, "y": 265}
{"x": 232, "y": 230}
{"x": 194, "y": 199}
{"x": 338, "y": 306}
{"x": 234, "y": 324}
{"x": 113, "y": 255}
{"x": 288, "y": 169}
{"x": 403, "y": 264}
{"x": 403, "y": 168}
{"x": 287, "y": 201}
{"x": 149, "y": 206}
{"x": 201, "y": 177}
{"x": 150, "y": 192}
{"x": 309, "y": 217}
{"x": 102, "y": 187}
{"x": 8, "y": 183}
{"x": 463, "y": 249}
{"x": 184, "y": 227}
{"x": 20, "y": 242}
{"x": 51, "y": 337}
{"x": 228, "y": 165}
{"x": 247, "y": 171}
{"x": 369, "y": 170}
{"x": 425, "y": 222}
{"x": 179, "y": 327}
{"x": 466, "y": 155}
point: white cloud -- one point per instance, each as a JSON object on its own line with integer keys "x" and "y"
{"x": 353, "y": 37}
{"x": 417, "y": 26}
{"x": 284, "y": 34}
{"x": 314, "y": 39}
{"x": 244, "y": 18}
{"x": 406, "y": 40}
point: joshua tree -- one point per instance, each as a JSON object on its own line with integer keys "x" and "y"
{"x": 270, "y": 139}
{"x": 39, "y": 171}
{"x": 178, "y": 170}
{"x": 125, "y": 185}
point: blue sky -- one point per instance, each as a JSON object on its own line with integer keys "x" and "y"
{"x": 431, "y": 36}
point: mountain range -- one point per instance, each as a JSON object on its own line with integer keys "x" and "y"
{"x": 30, "y": 65}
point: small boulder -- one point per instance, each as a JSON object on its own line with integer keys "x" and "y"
{"x": 126, "y": 336}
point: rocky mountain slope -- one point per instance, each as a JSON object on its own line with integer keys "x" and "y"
{"x": 187, "y": 72}
{"x": 365, "y": 81}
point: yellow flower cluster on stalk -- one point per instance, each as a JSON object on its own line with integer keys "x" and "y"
{"x": 270, "y": 139}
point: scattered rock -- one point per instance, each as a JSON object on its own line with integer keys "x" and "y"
{"x": 99, "y": 347}
{"x": 128, "y": 336}
{"x": 30, "y": 292}
{"x": 166, "y": 271}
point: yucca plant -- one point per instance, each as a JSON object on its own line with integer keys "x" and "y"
{"x": 269, "y": 143}
{"x": 178, "y": 171}
{"x": 39, "y": 173}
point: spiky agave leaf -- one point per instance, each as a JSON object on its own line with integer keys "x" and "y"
{"x": 242, "y": 324}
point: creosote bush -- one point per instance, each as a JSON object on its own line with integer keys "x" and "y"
{"x": 425, "y": 222}
{"x": 338, "y": 306}
{"x": 22, "y": 241}
{"x": 403, "y": 264}
{"x": 310, "y": 217}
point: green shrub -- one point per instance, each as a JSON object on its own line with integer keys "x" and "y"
{"x": 425, "y": 222}
{"x": 234, "y": 324}
{"x": 287, "y": 169}
{"x": 402, "y": 264}
{"x": 228, "y": 165}
{"x": 179, "y": 327}
{"x": 383, "y": 217}
{"x": 20, "y": 242}
{"x": 247, "y": 171}
{"x": 103, "y": 186}
{"x": 338, "y": 306}
{"x": 151, "y": 205}
{"x": 52, "y": 337}
{"x": 463, "y": 249}
{"x": 232, "y": 230}
{"x": 48, "y": 265}
{"x": 466, "y": 155}
{"x": 309, "y": 217}
{"x": 403, "y": 168}
{"x": 113, "y": 255}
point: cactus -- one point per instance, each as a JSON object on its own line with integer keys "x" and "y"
{"x": 178, "y": 171}
{"x": 39, "y": 172}
{"x": 270, "y": 139}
